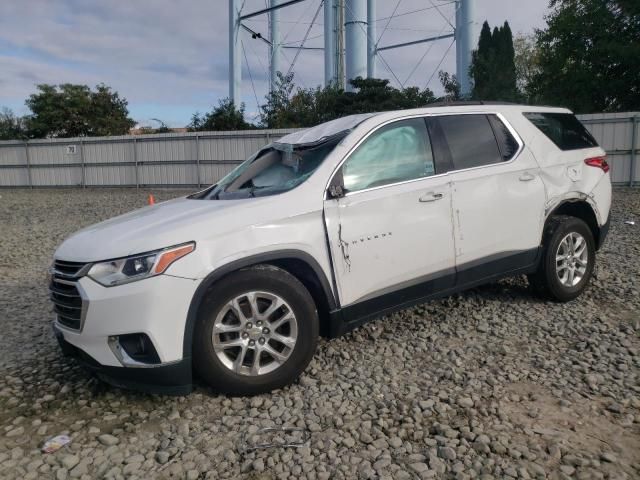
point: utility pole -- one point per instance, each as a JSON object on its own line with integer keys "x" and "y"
{"x": 371, "y": 39}
{"x": 355, "y": 25}
{"x": 235, "y": 67}
{"x": 465, "y": 40}
{"x": 274, "y": 27}
{"x": 330, "y": 44}
{"x": 339, "y": 53}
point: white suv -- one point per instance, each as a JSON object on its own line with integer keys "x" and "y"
{"x": 325, "y": 229}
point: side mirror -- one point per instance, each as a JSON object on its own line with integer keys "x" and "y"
{"x": 335, "y": 191}
{"x": 336, "y": 188}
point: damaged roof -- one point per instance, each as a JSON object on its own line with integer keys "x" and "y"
{"x": 325, "y": 130}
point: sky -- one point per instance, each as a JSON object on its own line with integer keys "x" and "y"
{"x": 169, "y": 58}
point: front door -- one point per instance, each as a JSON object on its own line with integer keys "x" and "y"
{"x": 391, "y": 234}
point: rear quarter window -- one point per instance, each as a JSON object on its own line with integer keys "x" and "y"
{"x": 563, "y": 129}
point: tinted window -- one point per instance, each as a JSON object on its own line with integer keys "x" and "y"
{"x": 563, "y": 129}
{"x": 506, "y": 143}
{"x": 394, "y": 153}
{"x": 470, "y": 139}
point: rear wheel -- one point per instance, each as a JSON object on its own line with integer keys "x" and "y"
{"x": 568, "y": 259}
{"x": 257, "y": 331}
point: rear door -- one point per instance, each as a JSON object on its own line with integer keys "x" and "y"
{"x": 498, "y": 196}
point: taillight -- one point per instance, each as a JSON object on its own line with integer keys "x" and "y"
{"x": 598, "y": 162}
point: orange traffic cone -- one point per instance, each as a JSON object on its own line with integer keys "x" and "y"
{"x": 151, "y": 200}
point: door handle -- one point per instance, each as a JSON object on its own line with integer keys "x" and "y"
{"x": 526, "y": 177}
{"x": 432, "y": 197}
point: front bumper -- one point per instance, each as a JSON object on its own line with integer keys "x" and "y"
{"x": 156, "y": 307}
{"x": 168, "y": 379}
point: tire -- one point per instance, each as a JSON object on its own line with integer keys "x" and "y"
{"x": 285, "y": 350}
{"x": 553, "y": 279}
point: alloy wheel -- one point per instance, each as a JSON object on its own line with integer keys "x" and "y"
{"x": 254, "y": 333}
{"x": 572, "y": 259}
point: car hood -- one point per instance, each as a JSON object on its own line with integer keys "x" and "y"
{"x": 149, "y": 228}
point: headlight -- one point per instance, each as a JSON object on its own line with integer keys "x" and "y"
{"x": 137, "y": 267}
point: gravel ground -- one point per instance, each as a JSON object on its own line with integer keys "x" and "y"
{"x": 492, "y": 383}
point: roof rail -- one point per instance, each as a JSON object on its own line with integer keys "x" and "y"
{"x": 462, "y": 103}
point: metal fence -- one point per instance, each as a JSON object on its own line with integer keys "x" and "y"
{"x": 172, "y": 159}
{"x": 618, "y": 134}
{"x": 196, "y": 159}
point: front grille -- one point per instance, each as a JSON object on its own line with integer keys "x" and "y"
{"x": 68, "y": 269}
{"x": 64, "y": 293}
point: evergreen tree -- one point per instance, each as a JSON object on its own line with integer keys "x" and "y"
{"x": 493, "y": 67}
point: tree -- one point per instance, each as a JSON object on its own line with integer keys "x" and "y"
{"x": 288, "y": 107}
{"x": 11, "y": 126}
{"x": 274, "y": 112}
{"x": 223, "y": 117}
{"x": 75, "y": 111}
{"x": 493, "y": 65}
{"x": 527, "y": 63}
{"x": 451, "y": 86}
{"x": 590, "y": 55}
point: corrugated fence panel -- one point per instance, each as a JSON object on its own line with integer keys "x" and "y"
{"x": 13, "y": 155}
{"x": 167, "y": 174}
{"x": 55, "y": 153}
{"x": 204, "y": 157}
{"x": 210, "y": 173}
{"x": 56, "y": 176}
{"x": 620, "y": 167}
{"x": 14, "y": 177}
{"x": 108, "y": 152}
{"x": 106, "y": 175}
{"x": 174, "y": 150}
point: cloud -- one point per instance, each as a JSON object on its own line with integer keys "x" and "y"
{"x": 174, "y": 54}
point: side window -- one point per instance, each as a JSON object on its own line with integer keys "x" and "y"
{"x": 563, "y": 129}
{"x": 506, "y": 143}
{"x": 394, "y": 153}
{"x": 470, "y": 139}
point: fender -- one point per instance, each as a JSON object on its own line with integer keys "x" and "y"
{"x": 556, "y": 202}
{"x": 220, "y": 272}
{"x": 599, "y": 228}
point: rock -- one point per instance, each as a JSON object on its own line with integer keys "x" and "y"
{"x": 466, "y": 402}
{"x": 108, "y": 440}
{"x": 15, "y": 432}
{"x": 162, "y": 457}
{"x": 70, "y": 461}
{"x": 258, "y": 465}
{"x": 447, "y": 453}
{"x": 608, "y": 457}
{"x": 419, "y": 467}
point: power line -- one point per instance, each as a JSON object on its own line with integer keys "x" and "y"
{"x": 442, "y": 14}
{"x": 440, "y": 63}
{"x": 298, "y": 41}
{"x": 266, "y": 71}
{"x": 244, "y": 51}
{"x": 412, "y": 12}
{"x": 305, "y": 37}
{"x": 294, "y": 25}
{"x": 388, "y": 22}
{"x": 262, "y": 20}
{"x": 426, "y": 52}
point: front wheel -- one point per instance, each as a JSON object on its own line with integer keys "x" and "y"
{"x": 568, "y": 259}
{"x": 257, "y": 330}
